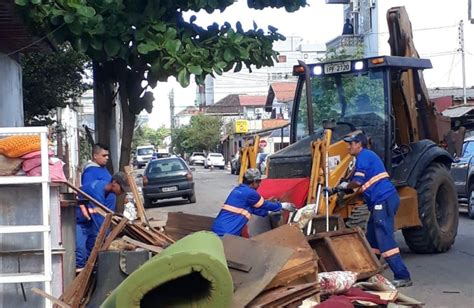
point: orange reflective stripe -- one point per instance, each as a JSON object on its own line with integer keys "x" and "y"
{"x": 259, "y": 203}
{"x": 376, "y": 251}
{"x": 359, "y": 174}
{"x": 92, "y": 210}
{"x": 390, "y": 252}
{"x": 374, "y": 179}
{"x": 237, "y": 210}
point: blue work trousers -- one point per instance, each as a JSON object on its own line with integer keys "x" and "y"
{"x": 380, "y": 234}
{"x": 86, "y": 233}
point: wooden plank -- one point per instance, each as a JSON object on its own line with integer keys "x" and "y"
{"x": 142, "y": 245}
{"x": 265, "y": 262}
{"x": 53, "y": 299}
{"x": 87, "y": 271}
{"x": 138, "y": 200}
{"x": 97, "y": 203}
{"x": 284, "y": 296}
{"x": 115, "y": 232}
{"x": 303, "y": 262}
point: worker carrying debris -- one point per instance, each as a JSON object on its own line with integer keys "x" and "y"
{"x": 96, "y": 169}
{"x": 242, "y": 202}
{"x": 383, "y": 202}
{"x": 88, "y": 221}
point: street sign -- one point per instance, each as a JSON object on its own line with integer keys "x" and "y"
{"x": 263, "y": 143}
{"x": 241, "y": 126}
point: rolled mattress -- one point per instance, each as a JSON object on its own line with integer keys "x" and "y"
{"x": 190, "y": 273}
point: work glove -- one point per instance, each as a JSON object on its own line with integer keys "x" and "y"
{"x": 343, "y": 185}
{"x": 288, "y": 206}
{"x": 331, "y": 190}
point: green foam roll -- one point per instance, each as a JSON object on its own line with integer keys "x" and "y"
{"x": 190, "y": 273}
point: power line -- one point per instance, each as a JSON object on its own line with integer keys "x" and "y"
{"x": 35, "y": 42}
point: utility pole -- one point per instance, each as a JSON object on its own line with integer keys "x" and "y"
{"x": 461, "y": 48}
{"x": 172, "y": 126}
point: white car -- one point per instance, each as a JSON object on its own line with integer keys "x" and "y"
{"x": 215, "y": 160}
{"x": 197, "y": 158}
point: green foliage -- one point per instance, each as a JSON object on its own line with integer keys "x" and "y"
{"x": 145, "y": 135}
{"x": 51, "y": 80}
{"x": 153, "y": 36}
{"x": 202, "y": 134}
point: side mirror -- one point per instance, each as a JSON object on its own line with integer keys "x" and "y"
{"x": 192, "y": 169}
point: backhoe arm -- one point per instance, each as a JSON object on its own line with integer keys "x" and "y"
{"x": 415, "y": 115}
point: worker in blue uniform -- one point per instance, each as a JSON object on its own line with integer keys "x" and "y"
{"x": 96, "y": 169}
{"x": 382, "y": 201}
{"x": 89, "y": 222}
{"x": 242, "y": 202}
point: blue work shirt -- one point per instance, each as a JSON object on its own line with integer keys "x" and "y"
{"x": 370, "y": 173}
{"x": 242, "y": 202}
{"x": 95, "y": 189}
{"x": 93, "y": 172}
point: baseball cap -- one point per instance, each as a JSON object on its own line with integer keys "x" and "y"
{"x": 252, "y": 175}
{"x": 122, "y": 180}
{"x": 357, "y": 137}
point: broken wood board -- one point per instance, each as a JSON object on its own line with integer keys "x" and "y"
{"x": 284, "y": 296}
{"x": 345, "y": 250}
{"x": 151, "y": 248}
{"x": 265, "y": 261}
{"x": 138, "y": 200}
{"x": 302, "y": 264}
{"x": 179, "y": 225}
{"x": 78, "y": 288}
{"x": 134, "y": 230}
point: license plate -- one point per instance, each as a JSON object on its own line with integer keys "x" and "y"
{"x": 172, "y": 188}
{"x": 338, "y": 67}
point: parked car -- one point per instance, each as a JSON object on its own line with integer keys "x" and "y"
{"x": 235, "y": 164}
{"x": 462, "y": 171}
{"x": 157, "y": 155}
{"x": 215, "y": 160}
{"x": 143, "y": 155}
{"x": 166, "y": 178}
{"x": 197, "y": 158}
{"x": 261, "y": 162}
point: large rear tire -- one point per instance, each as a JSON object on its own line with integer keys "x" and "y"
{"x": 438, "y": 209}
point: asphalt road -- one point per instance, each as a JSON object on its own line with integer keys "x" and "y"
{"x": 440, "y": 280}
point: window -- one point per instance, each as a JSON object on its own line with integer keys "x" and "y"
{"x": 282, "y": 59}
{"x": 148, "y": 151}
{"x": 166, "y": 166}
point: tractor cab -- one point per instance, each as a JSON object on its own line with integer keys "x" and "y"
{"x": 354, "y": 93}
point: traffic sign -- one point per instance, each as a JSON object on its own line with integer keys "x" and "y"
{"x": 263, "y": 143}
{"x": 241, "y": 126}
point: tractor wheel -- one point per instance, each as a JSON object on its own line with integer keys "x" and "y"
{"x": 438, "y": 209}
{"x": 359, "y": 217}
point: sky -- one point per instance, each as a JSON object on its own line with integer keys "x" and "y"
{"x": 434, "y": 26}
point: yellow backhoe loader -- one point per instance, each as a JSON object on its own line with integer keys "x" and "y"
{"x": 386, "y": 98}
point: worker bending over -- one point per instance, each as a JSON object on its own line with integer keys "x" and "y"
{"x": 89, "y": 221}
{"x": 242, "y": 202}
{"x": 96, "y": 169}
{"x": 383, "y": 202}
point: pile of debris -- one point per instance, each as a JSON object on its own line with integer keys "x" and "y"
{"x": 284, "y": 268}
{"x": 278, "y": 268}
